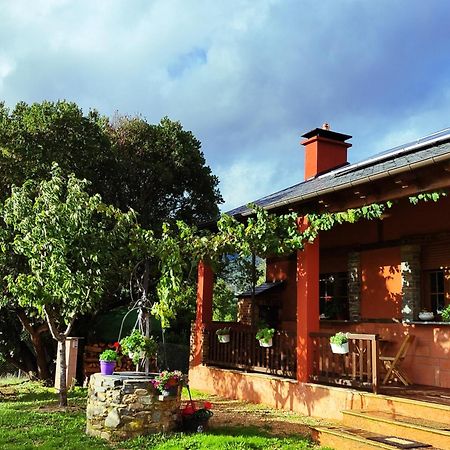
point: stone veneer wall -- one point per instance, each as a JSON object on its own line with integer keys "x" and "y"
{"x": 354, "y": 286}
{"x": 245, "y": 311}
{"x": 411, "y": 271}
{"x": 119, "y": 408}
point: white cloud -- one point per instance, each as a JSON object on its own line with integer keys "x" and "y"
{"x": 267, "y": 72}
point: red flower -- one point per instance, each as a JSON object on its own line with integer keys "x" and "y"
{"x": 207, "y": 405}
{"x": 116, "y": 345}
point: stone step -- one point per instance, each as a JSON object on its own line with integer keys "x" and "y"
{"x": 416, "y": 428}
{"x": 346, "y": 438}
{"x": 403, "y": 406}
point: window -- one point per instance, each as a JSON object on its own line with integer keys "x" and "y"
{"x": 437, "y": 289}
{"x": 333, "y": 294}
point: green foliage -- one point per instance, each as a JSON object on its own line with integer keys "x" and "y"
{"x": 265, "y": 334}
{"x": 445, "y": 314}
{"x": 162, "y": 172}
{"x": 224, "y": 302}
{"x": 68, "y": 241}
{"x": 138, "y": 345}
{"x": 30, "y": 420}
{"x": 339, "y": 338}
{"x": 108, "y": 355}
{"x": 427, "y": 197}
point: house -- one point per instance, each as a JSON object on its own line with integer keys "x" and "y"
{"x": 369, "y": 278}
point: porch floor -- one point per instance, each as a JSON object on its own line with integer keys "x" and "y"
{"x": 420, "y": 393}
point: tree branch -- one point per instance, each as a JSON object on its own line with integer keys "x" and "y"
{"x": 69, "y": 327}
{"x": 52, "y": 325}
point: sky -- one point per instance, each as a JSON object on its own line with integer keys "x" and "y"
{"x": 247, "y": 77}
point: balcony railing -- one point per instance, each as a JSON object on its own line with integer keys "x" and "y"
{"x": 359, "y": 368}
{"x": 244, "y": 352}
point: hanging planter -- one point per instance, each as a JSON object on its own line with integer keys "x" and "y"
{"x": 265, "y": 336}
{"x": 223, "y": 335}
{"x": 138, "y": 346}
{"x": 339, "y": 343}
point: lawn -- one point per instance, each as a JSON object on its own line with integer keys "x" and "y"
{"x": 30, "y": 419}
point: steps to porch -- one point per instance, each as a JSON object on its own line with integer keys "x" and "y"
{"x": 419, "y": 425}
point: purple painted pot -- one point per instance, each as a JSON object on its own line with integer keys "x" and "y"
{"x": 107, "y": 367}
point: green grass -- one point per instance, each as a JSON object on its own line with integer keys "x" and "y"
{"x": 30, "y": 419}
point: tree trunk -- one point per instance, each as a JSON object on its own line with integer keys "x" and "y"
{"x": 41, "y": 360}
{"x": 43, "y": 372}
{"x": 61, "y": 338}
{"x": 62, "y": 373}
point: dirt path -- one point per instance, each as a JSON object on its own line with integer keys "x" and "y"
{"x": 235, "y": 413}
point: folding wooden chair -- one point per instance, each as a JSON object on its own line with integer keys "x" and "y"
{"x": 393, "y": 363}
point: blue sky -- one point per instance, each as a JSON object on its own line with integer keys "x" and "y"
{"x": 248, "y": 77}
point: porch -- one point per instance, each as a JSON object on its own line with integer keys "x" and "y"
{"x": 426, "y": 361}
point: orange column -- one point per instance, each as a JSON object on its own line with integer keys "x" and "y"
{"x": 307, "y": 307}
{"x": 205, "y": 283}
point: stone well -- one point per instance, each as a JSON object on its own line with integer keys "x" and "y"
{"x": 126, "y": 405}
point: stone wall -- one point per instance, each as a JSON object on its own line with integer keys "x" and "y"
{"x": 121, "y": 407}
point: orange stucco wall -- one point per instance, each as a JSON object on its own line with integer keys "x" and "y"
{"x": 305, "y": 398}
{"x": 381, "y": 284}
{"x": 291, "y": 395}
{"x": 428, "y": 359}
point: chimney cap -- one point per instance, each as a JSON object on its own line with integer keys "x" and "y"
{"x": 327, "y": 134}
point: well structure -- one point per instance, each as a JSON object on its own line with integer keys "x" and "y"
{"x": 126, "y": 405}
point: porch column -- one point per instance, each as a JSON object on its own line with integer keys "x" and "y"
{"x": 205, "y": 283}
{"x": 307, "y": 307}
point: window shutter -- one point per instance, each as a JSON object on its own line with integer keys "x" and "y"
{"x": 436, "y": 255}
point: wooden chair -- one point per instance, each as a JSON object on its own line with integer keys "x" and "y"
{"x": 393, "y": 363}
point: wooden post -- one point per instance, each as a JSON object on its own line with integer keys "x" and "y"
{"x": 205, "y": 283}
{"x": 307, "y": 306}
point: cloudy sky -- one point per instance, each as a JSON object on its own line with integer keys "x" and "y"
{"x": 248, "y": 77}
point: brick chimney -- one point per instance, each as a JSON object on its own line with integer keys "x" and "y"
{"x": 325, "y": 150}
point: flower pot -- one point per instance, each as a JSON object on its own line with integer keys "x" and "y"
{"x": 426, "y": 315}
{"x": 107, "y": 367}
{"x": 141, "y": 355}
{"x": 170, "y": 392}
{"x": 339, "y": 348}
{"x": 265, "y": 344}
{"x": 223, "y": 338}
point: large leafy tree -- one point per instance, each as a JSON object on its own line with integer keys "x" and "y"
{"x": 72, "y": 245}
{"x": 162, "y": 173}
{"x": 158, "y": 170}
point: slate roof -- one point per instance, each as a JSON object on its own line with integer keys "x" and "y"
{"x": 261, "y": 288}
{"x": 423, "y": 151}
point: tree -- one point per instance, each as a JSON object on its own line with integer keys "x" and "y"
{"x": 72, "y": 244}
{"x": 158, "y": 170}
{"x": 162, "y": 175}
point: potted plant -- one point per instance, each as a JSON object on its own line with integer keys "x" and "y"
{"x": 264, "y": 336}
{"x": 138, "y": 346}
{"x": 167, "y": 382}
{"x": 339, "y": 343}
{"x": 223, "y": 335}
{"x": 445, "y": 314}
{"x": 108, "y": 360}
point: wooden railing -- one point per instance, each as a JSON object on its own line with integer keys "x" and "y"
{"x": 358, "y": 368}
{"x": 244, "y": 352}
